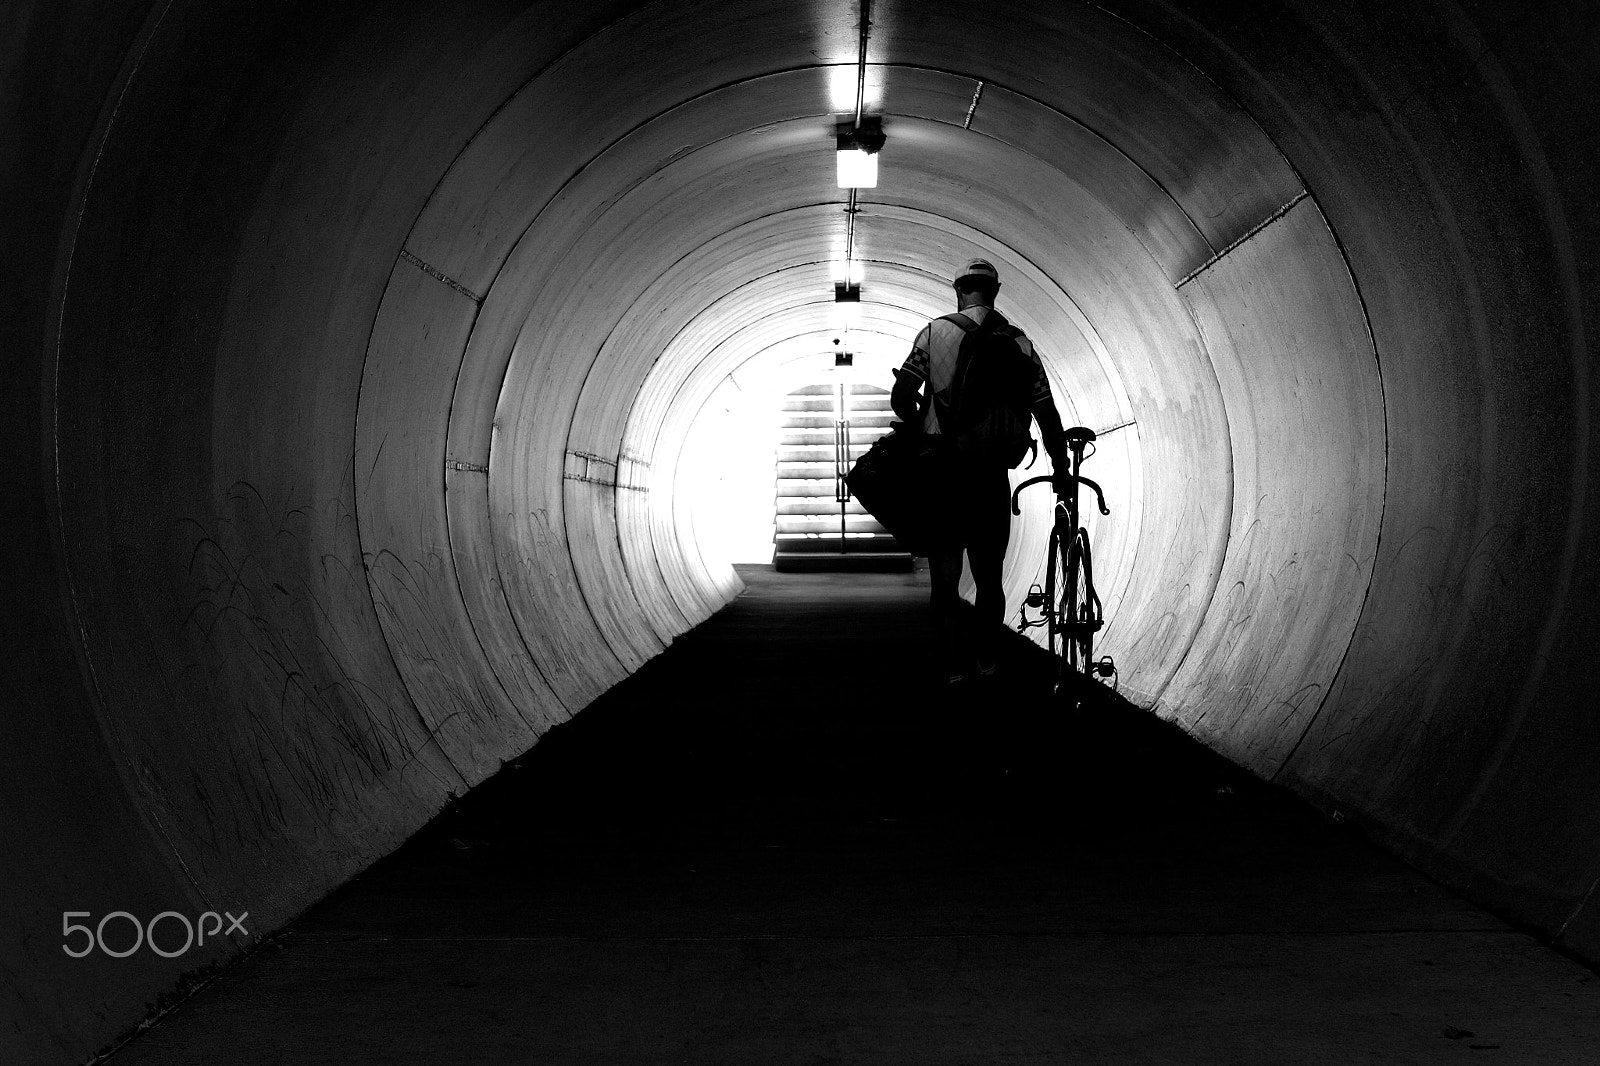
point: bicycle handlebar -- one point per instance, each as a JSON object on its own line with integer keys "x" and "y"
{"x": 1016, "y": 506}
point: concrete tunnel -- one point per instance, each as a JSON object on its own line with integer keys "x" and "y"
{"x": 363, "y": 360}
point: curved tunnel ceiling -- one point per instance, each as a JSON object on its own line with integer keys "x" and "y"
{"x": 376, "y": 358}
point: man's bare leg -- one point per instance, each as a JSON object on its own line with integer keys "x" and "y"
{"x": 944, "y": 571}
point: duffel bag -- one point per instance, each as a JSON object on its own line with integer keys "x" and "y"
{"x": 898, "y": 481}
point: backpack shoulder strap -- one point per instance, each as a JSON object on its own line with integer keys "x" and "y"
{"x": 959, "y": 319}
{"x": 958, "y": 376}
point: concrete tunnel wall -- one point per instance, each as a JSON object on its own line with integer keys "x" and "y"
{"x": 355, "y": 351}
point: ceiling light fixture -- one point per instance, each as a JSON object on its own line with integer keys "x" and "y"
{"x": 858, "y": 142}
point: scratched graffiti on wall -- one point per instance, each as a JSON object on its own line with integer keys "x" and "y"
{"x": 271, "y": 620}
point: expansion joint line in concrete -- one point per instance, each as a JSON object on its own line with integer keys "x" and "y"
{"x": 1561, "y": 930}
{"x": 597, "y": 470}
{"x": 439, "y": 275}
{"x": 85, "y": 186}
{"x": 607, "y": 482}
{"x": 1257, "y": 228}
{"x": 977, "y": 94}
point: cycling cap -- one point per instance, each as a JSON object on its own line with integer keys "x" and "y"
{"x": 979, "y": 268}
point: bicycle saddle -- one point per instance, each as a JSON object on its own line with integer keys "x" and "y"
{"x": 1080, "y": 434}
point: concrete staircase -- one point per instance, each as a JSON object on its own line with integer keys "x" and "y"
{"x": 825, "y": 429}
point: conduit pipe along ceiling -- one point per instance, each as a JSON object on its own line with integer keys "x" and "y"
{"x": 375, "y": 336}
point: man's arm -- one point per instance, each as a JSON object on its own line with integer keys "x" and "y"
{"x": 1053, "y": 434}
{"x": 906, "y": 398}
{"x": 1052, "y": 431}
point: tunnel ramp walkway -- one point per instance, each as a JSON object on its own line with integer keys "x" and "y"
{"x": 784, "y": 840}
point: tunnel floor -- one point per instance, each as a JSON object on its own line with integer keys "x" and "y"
{"x": 784, "y": 841}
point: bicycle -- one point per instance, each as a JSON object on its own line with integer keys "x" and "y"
{"x": 1068, "y": 603}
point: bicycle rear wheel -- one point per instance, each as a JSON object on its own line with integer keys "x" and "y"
{"x": 1055, "y": 570}
{"x": 1079, "y": 611}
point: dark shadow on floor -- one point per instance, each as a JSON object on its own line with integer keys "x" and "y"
{"x": 804, "y": 730}
{"x": 785, "y": 840}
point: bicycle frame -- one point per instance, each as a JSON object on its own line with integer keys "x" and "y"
{"x": 1068, "y": 603}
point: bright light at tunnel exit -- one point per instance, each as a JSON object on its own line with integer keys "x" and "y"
{"x": 728, "y": 469}
{"x": 726, "y": 473}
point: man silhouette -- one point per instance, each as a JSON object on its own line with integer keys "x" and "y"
{"x": 976, "y": 494}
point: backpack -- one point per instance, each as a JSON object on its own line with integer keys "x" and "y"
{"x": 991, "y": 393}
